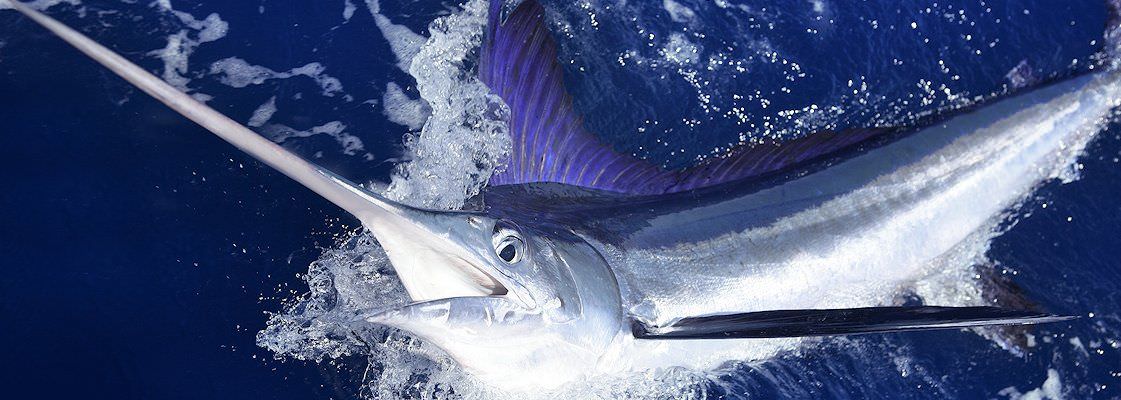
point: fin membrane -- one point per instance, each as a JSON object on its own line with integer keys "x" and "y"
{"x": 518, "y": 61}
{"x": 845, "y": 321}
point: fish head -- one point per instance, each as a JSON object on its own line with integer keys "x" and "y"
{"x": 517, "y": 304}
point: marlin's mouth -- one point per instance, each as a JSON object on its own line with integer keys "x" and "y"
{"x": 430, "y": 274}
{"x": 452, "y": 293}
{"x": 453, "y": 286}
{"x": 471, "y": 274}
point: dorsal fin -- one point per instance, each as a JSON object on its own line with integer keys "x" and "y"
{"x": 518, "y": 61}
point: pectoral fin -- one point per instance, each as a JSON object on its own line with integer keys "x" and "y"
{"x": 845, "y": 321}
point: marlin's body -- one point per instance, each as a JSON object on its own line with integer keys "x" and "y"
{"x": 585, "y": 262}
{"x": 792, "y": 238}
{"x": 842, "y": 233}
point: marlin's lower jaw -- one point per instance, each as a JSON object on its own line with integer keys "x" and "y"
{"x": 504, "y": 345}
{"x": 470, "y": 329}
{"x": 448, "y": 314}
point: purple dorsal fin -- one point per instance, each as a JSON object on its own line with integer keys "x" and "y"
{"x": 518, "y": 61}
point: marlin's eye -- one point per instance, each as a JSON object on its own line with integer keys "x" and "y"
{"x": 508, "y": 253}
{"x": 509, "y": 249}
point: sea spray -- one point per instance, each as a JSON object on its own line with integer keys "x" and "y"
{"x": 449, "y": 160}
{"x": 466, "y": 136}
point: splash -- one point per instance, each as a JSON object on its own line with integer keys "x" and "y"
{"x": 464, "y": 139}
{"x": 452, "y": 156}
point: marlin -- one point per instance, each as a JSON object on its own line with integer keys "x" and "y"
{"x": 584, "y": 261}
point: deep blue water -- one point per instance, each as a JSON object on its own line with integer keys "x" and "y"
{"x": 140, "y": 254}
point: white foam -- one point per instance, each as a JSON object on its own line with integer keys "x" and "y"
{"x": 742, "y": 7}
{"x": 351, "y": 144}
{"x": 818, "y": 5}
{"x": 238, "y": 73}
{"x": 40, "y": 4}
{"x": 180, "y": 45}
{"x": 348, "y": 10}
{"x": 678, "y": 12}
{"x": 403, "y": 110}
{"x": 263, "y": 113}
{"x": 1051, "y": 389}
{"x": 404, "y": 42}
{"x": 1076, "y": 342}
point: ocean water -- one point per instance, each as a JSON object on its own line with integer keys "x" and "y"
{"x": 144, "y": 258}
